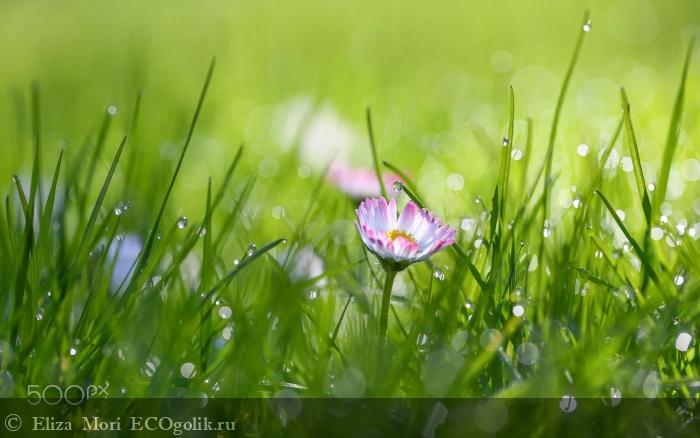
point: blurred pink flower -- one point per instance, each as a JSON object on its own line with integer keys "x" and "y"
{"x": 361, "y": 183}
{"x": 413, "y": 237}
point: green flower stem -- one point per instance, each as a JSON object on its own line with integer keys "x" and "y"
{"x": 386, "y": 302}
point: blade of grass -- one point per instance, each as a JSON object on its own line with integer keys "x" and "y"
{"x": 404, "y": 177}
{"x": 634, "y": 152}
{"x": 150, "y": 241}
{"x": 638, "y": 249}
{"x": 373, "y": 148}
{"x": 87, "y": 233}
{"x": 674, "y": 130}
{"x": 557, "y": 113}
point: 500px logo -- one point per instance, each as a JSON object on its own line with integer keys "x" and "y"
{"x": 73, "y": 394}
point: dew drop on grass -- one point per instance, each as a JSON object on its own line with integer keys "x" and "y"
{"x": 626, "y": 164}
{"x": 518, "y": 310}
{"x": 598, "y": 254}
{"x": 587, "y": 26}
{"x": 225, "y": 312}
{"x": 651, "y": 187}
{"x": 547, "y": 232}
{"x": 657, "y": 233}
{"x": 582, "y": 150}
{"x": 278, "y": 212}
{"x": 533, "y": 264}
{"x": 491, "y": 339}
{"x": 251, "y": 249}
{"x": 182, "y": 222}
{"x": 678, "y": 280}
{"x": 398, "y": 186}
{"x": 615, "y": 396}
{"x": 312, "y": 295}
{"x": 516, "y": 154}
{"x": 40, "y": 315}
{"x": 527, "y": 353}
{"x": 439, "y": 274}
{"x": 73, "y": 351}
{"x": 226, "y": 333}
{"x": 576, "y": 203}
{"x": 683, "y": 342}
{"x": 112, "y": 110}
{"x": 187, "y": 370}
{"x": 505, "y": 141}
{"x": 236, "y": 262}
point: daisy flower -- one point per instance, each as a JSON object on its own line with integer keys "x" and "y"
{"x": 412, "y": 237}
{"x": 360, "y": 183}
{"x": 398, "y": 242}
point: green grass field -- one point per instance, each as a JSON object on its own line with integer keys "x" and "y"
{"x": 167, "y": 226}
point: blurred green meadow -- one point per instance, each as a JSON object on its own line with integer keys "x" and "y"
{"x": 569, "y": 301}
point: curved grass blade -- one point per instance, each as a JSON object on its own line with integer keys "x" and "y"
{"x": 674, "y": 130}
{"x": 150, "y": 241}
{"x": 243, "y": 263}
{"x": 638, "y": 249}
{"x": 373, "y": 148}
{"x": 634, "y": 152}
{"x": 557, "y": 113}
{"x": 100, "y": 199}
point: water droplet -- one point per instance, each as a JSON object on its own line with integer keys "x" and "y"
{"x": 121, "y": 208}
{"x": 518, "y": 310}
{"x": 683, "y": 342}
{"x": 312, "y": 295}
{"x": 547, "y": 232}
{"x": 278, "y": 212}
{"x": 112, "y": 110}
{"x": 202, "y": 231}
{"x": 398, "y": 186}
{"x": 678, "y": 280}
{"x": 527, "y": 353}
{"x": 568, "y": 404}
{"x": 73, "y": 351}
{"x": 651, "y": 187}
{"x": 627, "y": 164}
{"x": 39, "y": 315}
{"x": 587, "y": 26}
{"x": 533, "y": 264}
{"x": 491, "y": 339}
{"x": 226, "y": 333}
{"x": 598, "y": 254}
{"x": 505, "y": 141}
{"x": 236, "y": 262}
{"x": 582, "y": 150}
{"x": 657, "y": 233}
{"x": 225, "y": 312}
{"x": 615, "y": 396}
{"x": 251, "y": 249}
{"x": 182, "y": 222}
{"x": 576, "y": 203}
{"x": 516, "y": 154}
{"x": 439, "y": 274}
{"x": 522, "y": 243}
{"x": 187, "y": 370}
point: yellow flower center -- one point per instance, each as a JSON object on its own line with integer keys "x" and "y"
{"x": 393, "y": 234}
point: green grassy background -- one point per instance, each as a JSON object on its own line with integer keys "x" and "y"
{"x": 436, "y": 77}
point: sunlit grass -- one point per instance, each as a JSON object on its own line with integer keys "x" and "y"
{"x": 263, "y": 284}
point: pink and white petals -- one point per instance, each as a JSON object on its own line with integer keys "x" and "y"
{"x": 360, "y": 183}
{"x": 412, "y": 237}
